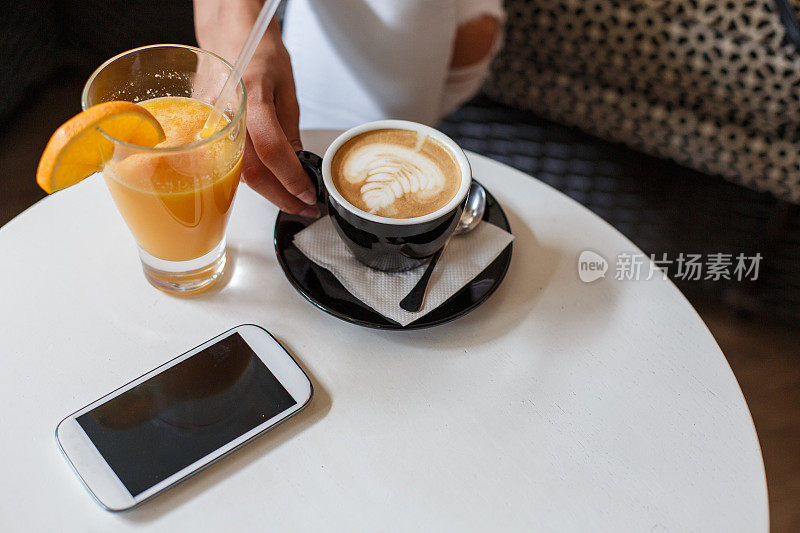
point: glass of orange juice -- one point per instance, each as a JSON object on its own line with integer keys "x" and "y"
{"x": 175, "y": 197}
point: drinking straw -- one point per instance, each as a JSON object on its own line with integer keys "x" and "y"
{"x": 245, "y": 55}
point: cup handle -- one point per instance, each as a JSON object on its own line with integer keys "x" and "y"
{"x": 312, "y": 164}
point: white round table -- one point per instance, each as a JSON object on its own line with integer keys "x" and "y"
{"x": 557, "y": 405}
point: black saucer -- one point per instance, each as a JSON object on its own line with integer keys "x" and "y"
{"x": 322, "y": 289}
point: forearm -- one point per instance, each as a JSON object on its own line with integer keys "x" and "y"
{"x": 222, "y": 26}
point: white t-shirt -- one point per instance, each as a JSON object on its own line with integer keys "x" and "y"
{"x": 356, "y": 61}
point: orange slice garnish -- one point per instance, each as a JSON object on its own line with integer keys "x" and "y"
{"x": 78, "y": 148}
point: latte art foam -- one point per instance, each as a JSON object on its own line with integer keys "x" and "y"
{"x": 396, "y": 173}
{"x": 388, "y": 172}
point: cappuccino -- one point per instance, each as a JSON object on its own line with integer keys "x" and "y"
{"x": 396, "y": 173}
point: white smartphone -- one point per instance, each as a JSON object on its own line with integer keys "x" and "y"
{"x": 179, "y": 418}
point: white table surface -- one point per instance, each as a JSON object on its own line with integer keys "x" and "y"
{"x": 556, "y": 405}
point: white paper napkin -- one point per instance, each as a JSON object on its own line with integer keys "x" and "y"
{"x": 465, "y": 257}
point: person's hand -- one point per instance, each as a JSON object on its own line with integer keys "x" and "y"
{"x": 269, "y": 163}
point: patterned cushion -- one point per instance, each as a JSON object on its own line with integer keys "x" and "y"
{"x": 712, "y": 85}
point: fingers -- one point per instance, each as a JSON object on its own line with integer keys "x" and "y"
{"x": 264, "y": 182}
{"x": 288, "y": 112}
{"x": 275, "y": 152}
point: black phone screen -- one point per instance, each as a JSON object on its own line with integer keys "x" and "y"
{"x": 171, "y": 420}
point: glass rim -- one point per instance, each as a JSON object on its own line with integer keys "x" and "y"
{"x": 195, "y": 144}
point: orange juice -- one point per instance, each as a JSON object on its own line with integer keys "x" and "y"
{"x": 177, "y": 203}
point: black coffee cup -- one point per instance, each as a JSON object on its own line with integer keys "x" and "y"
{"x": 388, "y": 244}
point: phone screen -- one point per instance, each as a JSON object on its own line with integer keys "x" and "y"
{"x": 179, "y": 416}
